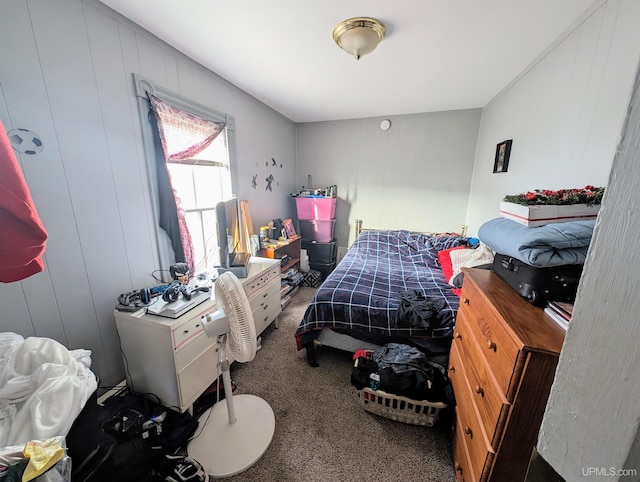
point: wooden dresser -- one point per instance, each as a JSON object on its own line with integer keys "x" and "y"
{"x": 503, "y": 360}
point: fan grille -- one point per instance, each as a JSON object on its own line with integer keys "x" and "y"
{"x": 242, "y": 330}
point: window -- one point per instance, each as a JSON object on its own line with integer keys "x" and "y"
{"x": 201, "y": 183}
{"x": 191, "y": 149}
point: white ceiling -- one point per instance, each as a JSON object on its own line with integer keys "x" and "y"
{"x": 437, "y": 54}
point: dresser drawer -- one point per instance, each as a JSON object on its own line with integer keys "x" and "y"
{"x": 267, "y": 311}
{"x": 263, "y": 298}
{"x": 461, "y": 462}
{"x": 471, "y": 429}
{"x": 198, "y": 375}
{"x": 187, "y": 331}
{"x": 192, "y": 350}
{"x": 456, "y": 372}
{"x": 495, "y": 340}
{"x": 491, "y": 403}
{"x": 255, "y": 285}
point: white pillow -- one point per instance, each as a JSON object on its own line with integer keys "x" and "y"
{"x": 468, "y": 258}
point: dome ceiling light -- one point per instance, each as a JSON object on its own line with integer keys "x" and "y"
{"x": 359, "y": 36}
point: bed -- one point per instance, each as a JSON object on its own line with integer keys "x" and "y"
{"x": 361, "y": 297}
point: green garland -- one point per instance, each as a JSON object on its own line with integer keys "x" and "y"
{"x": 589, "y": 195}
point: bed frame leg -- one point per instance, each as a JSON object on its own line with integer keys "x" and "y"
{"x": 311, "y": 355}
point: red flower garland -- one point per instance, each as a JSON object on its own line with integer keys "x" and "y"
{"x": 587, "y": 195}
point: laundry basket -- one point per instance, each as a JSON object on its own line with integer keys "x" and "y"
{"x": 399, "y": 408}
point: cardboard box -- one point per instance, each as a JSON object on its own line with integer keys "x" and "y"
{"x": 533, "y": 216}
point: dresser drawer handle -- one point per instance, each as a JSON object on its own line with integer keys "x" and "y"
{"x": 457, "y": 335}
{"x": 185, "y": 331}
{"x": 491, "y": 345}
{"x": 265, "y": 307}
{"x": 452, "y": 368}
{"x": 480, "y": 390}
{"x": 465, "y": 301}
{"x": 265, "y": 295}
{"x": 458, "y": 467}
{"x": 468, "y": 431}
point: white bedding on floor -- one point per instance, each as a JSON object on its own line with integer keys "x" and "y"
{"x": 43, "y": 387}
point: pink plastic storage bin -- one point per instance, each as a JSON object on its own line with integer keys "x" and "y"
{"x": 318, "y": 208}
{"x": 315, "y": 230}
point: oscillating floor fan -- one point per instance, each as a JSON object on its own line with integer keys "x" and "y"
{"x": 236, "y": 434}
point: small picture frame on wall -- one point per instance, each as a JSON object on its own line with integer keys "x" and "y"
{"x": 503, "y": 152}
{"x": 289, "y": 229}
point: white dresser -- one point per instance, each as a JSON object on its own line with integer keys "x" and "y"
{"x": 173, "y": 358}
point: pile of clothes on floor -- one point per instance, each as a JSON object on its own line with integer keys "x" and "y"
{"x": 43, "y": 388}
{"x": 401, "y": 370}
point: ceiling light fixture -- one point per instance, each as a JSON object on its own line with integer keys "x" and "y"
{"x": 359, "y": 36}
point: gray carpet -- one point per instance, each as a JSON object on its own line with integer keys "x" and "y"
{"x": 322, "y": 432}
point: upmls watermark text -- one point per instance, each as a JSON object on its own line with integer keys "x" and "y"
{"x": 608, "y": 472}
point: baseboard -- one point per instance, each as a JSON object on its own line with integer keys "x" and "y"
{"x": 115, "y": 390}
{"x": 540, "y": 470}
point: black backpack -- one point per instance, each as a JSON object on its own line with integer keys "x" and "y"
{"x": 143, "y": 431}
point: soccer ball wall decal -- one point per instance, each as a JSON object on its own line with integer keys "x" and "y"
{"x": 25, "y": 141}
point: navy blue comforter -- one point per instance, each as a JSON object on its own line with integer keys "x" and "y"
{"x": 362, "y": 295}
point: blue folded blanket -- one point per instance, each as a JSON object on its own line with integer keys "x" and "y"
{"x": 554, "y": 244}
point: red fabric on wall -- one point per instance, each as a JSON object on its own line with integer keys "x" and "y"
{"x": 22, "y": 235}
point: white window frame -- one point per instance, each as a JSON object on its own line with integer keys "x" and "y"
{"x": 143, "y": 87}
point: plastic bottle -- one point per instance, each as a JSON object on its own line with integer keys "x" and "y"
{"x": 304, "y": 261}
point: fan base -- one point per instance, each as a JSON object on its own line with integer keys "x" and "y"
{"x": 225, "y": 449}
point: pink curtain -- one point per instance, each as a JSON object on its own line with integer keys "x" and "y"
{"x": 183, "y": 136}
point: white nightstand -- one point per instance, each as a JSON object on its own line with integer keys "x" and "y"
{"x": 173, "y": 358}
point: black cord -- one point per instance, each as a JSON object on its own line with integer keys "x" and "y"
{"x": 219, "y": 380}
{"x": 159, "y": 280}
{"x": 126, "y": 362}
{"x": 131, "y": 388}
{"x": 204, "y": 260}
{"x": 201, "y": 426}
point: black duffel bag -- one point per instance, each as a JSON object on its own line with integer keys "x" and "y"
{"x": 404, "y": 370}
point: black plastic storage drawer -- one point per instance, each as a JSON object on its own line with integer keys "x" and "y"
{"x": 324, "y": 268}
{"x": 317, "y": 230}
{"x": 321, "y": 252}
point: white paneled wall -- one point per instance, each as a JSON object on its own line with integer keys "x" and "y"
{"x": 416, "y": 175}
{"x": 66, "y": 73}
{"x": 564, "y": 115}
{"x": 592, "y": 420}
